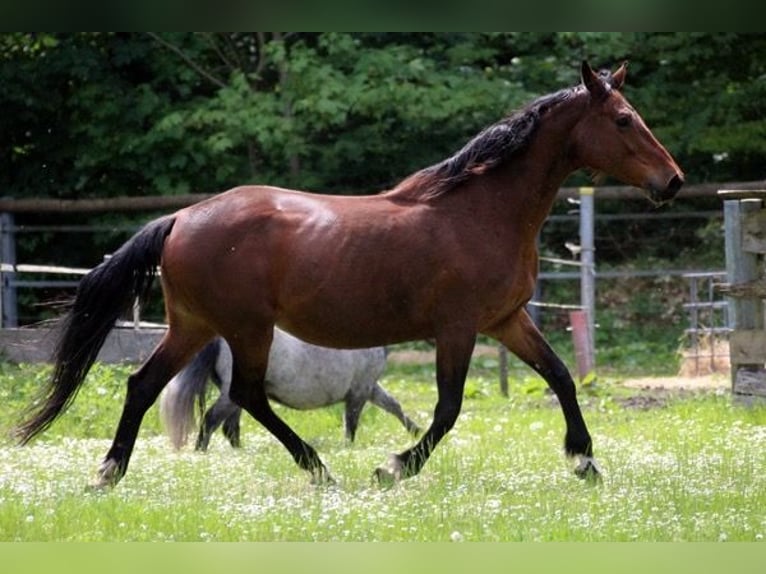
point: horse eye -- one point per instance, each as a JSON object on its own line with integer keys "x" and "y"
{"x": 623, "y": 121}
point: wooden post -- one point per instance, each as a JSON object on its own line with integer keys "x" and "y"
{"x": 582, "y": 344}
{"x": 741, "y": 265}
{"x": 745, "y": 244}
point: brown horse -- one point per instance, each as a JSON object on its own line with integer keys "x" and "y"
{"x": 448, "y": 253}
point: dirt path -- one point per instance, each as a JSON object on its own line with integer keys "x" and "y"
{"x": 425, "y": 357}
{"x": 707, "y": 382}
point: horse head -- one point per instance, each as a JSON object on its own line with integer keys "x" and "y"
{"x": 612, "y": 138}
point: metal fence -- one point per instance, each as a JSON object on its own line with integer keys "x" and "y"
{"x": 709, "y": 324}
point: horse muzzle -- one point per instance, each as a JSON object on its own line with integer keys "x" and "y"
{"x": 661, "y": 194}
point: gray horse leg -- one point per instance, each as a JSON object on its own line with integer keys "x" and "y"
{"x": 224, "y": 410}
{"x": 231, "y": 428}
{"x": 354, "y": 406}
{"x": 385, "y": 401}
{"x": 221, "y": 411}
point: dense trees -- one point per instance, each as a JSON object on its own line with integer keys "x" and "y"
{"x": 101, "y": 115}
{"x": 104, "y": 114}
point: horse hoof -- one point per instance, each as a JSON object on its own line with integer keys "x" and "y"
{"x": 98, "y": 487}
{"x": 389, "y": 473}
{"x": 108, "y": 476}
{"x": 588, "y": 470}
{"x": 321, "y": 477}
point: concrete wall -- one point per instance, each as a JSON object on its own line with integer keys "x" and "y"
{"x": 124, "y": 345}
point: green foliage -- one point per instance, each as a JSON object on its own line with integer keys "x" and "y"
{"x": 100, "y": 114}
{"x": 95, "y": 412}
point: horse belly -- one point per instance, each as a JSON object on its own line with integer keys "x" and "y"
{"x": 303, "y": 388}
{"x": 359, "y": 303}
{"x": 320, "y": 325}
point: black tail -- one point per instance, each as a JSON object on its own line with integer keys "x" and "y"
{"x": 103, "y": 295}
{"x": 177, "y": 401}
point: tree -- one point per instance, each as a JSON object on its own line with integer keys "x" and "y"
{"x": 103, "y": 114}
{"x": 349, "y": 113}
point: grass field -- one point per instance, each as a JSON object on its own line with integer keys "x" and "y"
{"x": 679, "y": 466}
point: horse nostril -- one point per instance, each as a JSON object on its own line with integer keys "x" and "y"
{"x": 675, "y": 184}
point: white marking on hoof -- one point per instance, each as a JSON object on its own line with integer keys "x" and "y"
{"x": 109, "y": 474}
{"x": 389, "y": 473}
{"x": 588, "y": 468}
{"x": 321, "y": 477}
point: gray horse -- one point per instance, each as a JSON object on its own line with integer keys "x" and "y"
{"x": 299, "y": 375}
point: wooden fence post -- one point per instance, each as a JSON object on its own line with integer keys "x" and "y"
{"x": 741, "y": 264}
{"x": 583, "y": 346}
{"x": 745, "y": 244}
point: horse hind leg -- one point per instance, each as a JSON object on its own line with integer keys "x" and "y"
{"x": 144, "y": 386}
{"x": 249, "y": 392}
{"x": 231, "y": 428}
{"x": 220, "y": 413}
{"x": 222, "y": 378}
{"x": 223, "y": 410}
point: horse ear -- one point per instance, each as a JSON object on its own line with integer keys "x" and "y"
{"x": 618, "y": 78}
{"x": 591, "y": 81}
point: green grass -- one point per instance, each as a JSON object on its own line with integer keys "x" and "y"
{"x": 690, "y": 468}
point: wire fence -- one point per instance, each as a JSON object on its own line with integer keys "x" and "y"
{"x": 706, "y": 348}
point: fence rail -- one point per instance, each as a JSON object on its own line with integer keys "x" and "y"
{"x": 27, "y": 268}
{"x": 583, "y": 264}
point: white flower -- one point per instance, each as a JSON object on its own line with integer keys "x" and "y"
{"x": 456, "y": 536}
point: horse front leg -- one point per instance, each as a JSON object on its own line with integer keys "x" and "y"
{"x": 453, "y": 357}
{"x": 520, "y": 335}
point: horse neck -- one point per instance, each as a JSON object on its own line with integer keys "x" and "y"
{"x": 529, "y": 183}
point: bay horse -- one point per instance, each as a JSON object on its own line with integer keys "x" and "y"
{"x": 447, "y": 253}
{"x": 299, "y": 375}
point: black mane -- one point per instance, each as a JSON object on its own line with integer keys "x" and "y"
{"x": 491, "y": 147}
